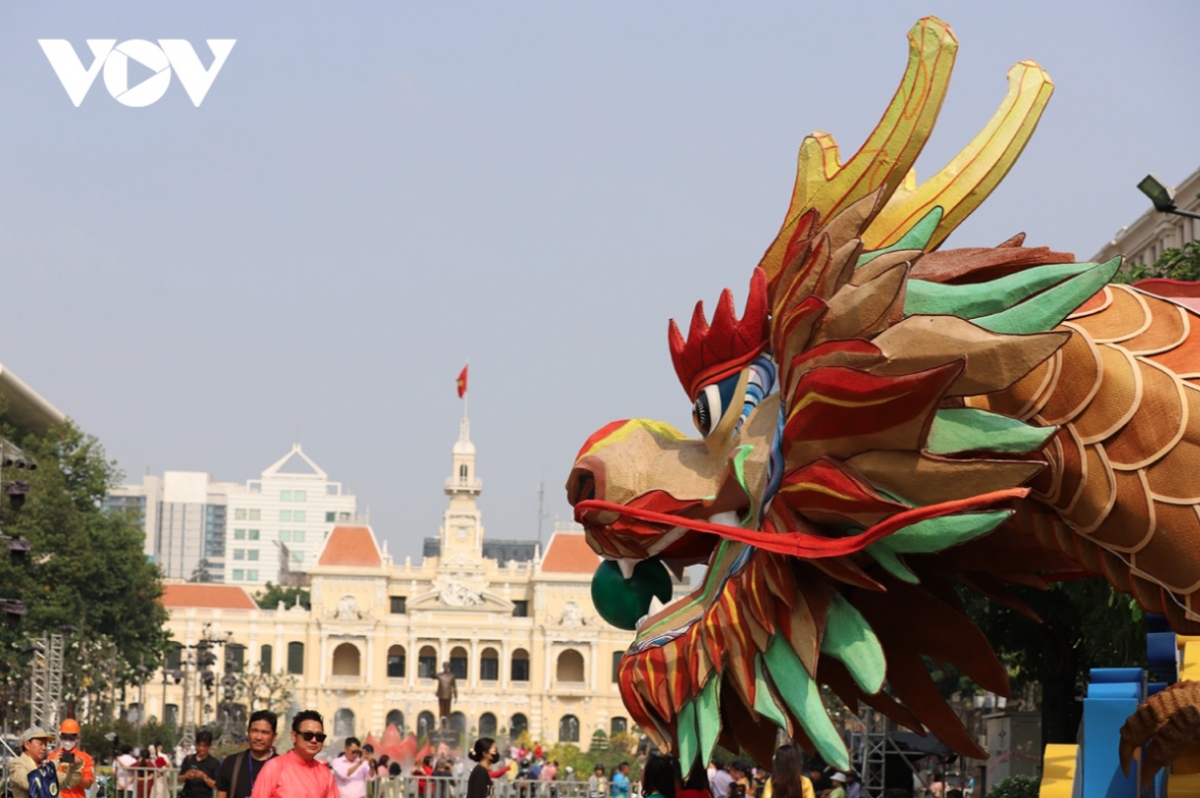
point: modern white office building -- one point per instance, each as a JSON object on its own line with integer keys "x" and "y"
{"x": 183, "y": 517}
{"x": 277, "y": 523}
{"x": 250, "y": 534}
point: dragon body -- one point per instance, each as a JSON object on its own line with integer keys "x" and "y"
{"x": 884, "y": 419}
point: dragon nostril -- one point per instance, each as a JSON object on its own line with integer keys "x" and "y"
{"x": 586, "y": 481}
{"x": 585, "y": 487}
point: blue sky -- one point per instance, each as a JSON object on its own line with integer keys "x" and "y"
{"x": 373, "y": 193}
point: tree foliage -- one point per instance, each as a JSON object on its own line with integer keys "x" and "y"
{"x": 86, "y": 577}
{"x": 201, "y": 572}
{"x": 269, "y": 597}
{"x": 260, "y": 689}
{"x": 1085, "y": 624}
{"x": 1016, "y": 787}
{"x": 1181, "y": 263}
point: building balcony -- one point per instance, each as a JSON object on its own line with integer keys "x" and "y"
{"x": 570, "y": 687}
{"x": 457, "y": 484}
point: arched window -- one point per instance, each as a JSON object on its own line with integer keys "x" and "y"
{"x": 568, "y": 729}
{"x": 295, "y": 658}
{"x": 427, "y": 666}
{"x": 425, "y": 725}
{"x": 520, "y": 665}
{"x": 570, "y": 666}
{"x": 395, "y": 718}
{"x": 264, "y": 660}
{"x": 518, "y": 726}
{"x": 345, "y": 660}
{"x": 343, "y": 723}
{"x": 458, "y": 725}
{"x": 395, "y": 662}
{"x": 489, "y": 668}
{"x": 487, "y": 725}
{"x": 462, "y": 472}
{"x": 619, "y": 725}
{"x": 458, "y": 662}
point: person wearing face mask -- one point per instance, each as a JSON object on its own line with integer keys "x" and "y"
{"x": 64, "y": 758}
{"x": 31, "y": 775}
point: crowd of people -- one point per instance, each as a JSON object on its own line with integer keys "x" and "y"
{"x": 259, "y": 772}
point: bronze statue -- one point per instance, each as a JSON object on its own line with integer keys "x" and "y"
{"x": 447, "y": 691}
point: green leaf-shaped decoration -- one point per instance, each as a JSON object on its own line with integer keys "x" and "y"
{"x": 849, "y": 638}
{"x": 966, "y": 429}
{"x": 803, "y": 697}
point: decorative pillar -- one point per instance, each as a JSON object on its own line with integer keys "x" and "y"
{"x": 473, "y": 667}
{"x": 368, "y": 673}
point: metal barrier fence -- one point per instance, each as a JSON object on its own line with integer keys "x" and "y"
{"x": 164, "y": 783}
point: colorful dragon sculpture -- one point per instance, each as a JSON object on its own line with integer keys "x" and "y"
{"x": 886, "y": 419}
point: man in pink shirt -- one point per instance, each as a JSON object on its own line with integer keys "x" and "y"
{"x": 352, "y": 770}
{"x": 297, "y": 774}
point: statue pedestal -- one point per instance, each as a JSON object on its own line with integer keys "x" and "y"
{"x": 445, "y": 735}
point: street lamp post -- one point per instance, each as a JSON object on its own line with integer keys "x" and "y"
{"x": 1163, "y": 197}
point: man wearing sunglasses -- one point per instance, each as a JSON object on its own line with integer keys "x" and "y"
{"x": 298, "y": 774}
{"x": 65, "y": 757}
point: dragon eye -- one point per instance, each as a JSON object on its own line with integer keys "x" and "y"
{"x": 708, "y": 409}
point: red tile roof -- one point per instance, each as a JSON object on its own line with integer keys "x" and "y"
{"x": 224, "y": 597}
{"x": 569, "y": 553}
{"x": 351, "y": 546}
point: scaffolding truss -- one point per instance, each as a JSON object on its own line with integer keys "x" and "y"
{"x": 46, "y": 684}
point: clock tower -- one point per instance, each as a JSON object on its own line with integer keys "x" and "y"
{"x": 462, "y": 530}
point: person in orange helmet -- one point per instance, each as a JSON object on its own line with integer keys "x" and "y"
{"x": 66, "y": 755}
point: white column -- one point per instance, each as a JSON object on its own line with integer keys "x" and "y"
{"x": 410, "y": 664}
{"x": 473, "y": 665}
{"x": 593, "y": 665}
{"x": 324, "y": 671}
{"x": 548, "y": 664}
{"x": 505, "y": 665}
{"x": 369, "y": 672}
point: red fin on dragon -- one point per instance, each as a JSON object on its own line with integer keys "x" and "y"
{"x": 886, "y": 419}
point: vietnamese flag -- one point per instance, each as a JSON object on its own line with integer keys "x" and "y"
{"x": 462, "y": 381}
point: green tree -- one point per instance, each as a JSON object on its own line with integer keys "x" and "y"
{"x": 1085, "y": 624}
{"x": 201, "y": 572}
{"x": 86, "y": 577}
{"x": 1181, "y": 263}
{"x": 269, "y": 597}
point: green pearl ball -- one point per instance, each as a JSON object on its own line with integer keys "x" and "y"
{"x": 622, "y": 601}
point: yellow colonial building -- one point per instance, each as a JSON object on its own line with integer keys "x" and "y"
{"x": 516, "y": 625}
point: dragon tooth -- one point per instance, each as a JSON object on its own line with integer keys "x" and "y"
{"x": 727, "y": 518}
{"x": 655, "y": 605}
{"x": 627, "y": 564}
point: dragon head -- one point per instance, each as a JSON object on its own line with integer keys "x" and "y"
{"x": 837, "y": 442}
{"x": 720, "y": 478}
